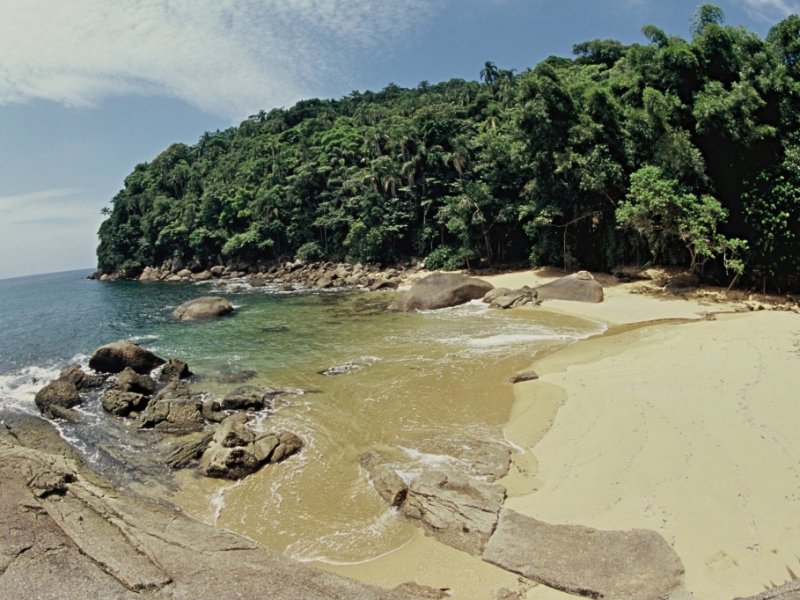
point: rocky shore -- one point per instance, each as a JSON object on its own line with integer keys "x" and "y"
{"x": 287, "y": 276}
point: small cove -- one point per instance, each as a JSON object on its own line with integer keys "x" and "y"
{"x": 418, "y": 386}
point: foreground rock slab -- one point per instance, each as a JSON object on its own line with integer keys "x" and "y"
{"x": 69, "y": 535}
{"x": 620, "y": 565}
{"x": 205, "y": 307}
{"x": 441, "y": 290}
{"x": 578, "y": 287}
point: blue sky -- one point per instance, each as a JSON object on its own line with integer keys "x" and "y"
{"x": 90, "y": 88}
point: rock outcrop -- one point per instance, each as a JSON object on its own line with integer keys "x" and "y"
{"x": 236, "y": 451}
{"x": 578, "y": 287}
{"x": 247, "y": 397}
{"x": 174, "y": 370}
{"x": 131, "y": 381}
{"x": 176, "y": 409}
{"x": 441, "y": 290}
{"x": 57, "y": 398}
{"x": 82, "y": 379}
{"x": 624, "y": 565}
{"x": 113, "y": 358}
{"x": 458, "y": 510}
{"x": 68, "y": 535}
{"x": 511, "y": 298}
{"x": 205, "y": 307}
{"x": 121, "y": 403}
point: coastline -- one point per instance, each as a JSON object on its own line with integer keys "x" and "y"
{"x": 679, "y": 418}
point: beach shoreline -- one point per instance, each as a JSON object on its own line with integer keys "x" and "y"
{"x": 678, "y": 419}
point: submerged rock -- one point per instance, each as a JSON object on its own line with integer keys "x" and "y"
{"x": 441, "y": 290}
{"x": 113, "y": 358}
{"x": 578, "y": 287}
{"x": 524, "y": 376}
{"x": 205, "y": 307}
{"x": 627, "y": 565}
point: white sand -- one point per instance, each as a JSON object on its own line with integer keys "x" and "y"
{"x": 691, "y": 430}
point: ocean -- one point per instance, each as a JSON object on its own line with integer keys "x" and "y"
{"x": 412, "y": 385}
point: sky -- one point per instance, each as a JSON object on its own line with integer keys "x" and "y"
{"x": 90, "y": 88}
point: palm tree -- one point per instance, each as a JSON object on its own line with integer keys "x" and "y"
{"x": 489, "y": 72}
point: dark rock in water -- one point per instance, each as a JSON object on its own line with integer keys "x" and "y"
{"x": 69, "y": 535}
{"x": 205, "y": 307}
{"x": 578, "y": 287}
{"x": 288, "y": 444}
{"x": 347, "y": 367}
{"x": 174, "y": 370}
{"x": 235, "y": 451}
{"x": 175, "y": 409}
{"x": 441, "y": 290}
{"x": 81, "y": 379}
{"x": 423, "y": 592}
{"x": 275, "y": 329}
{"x": 248, "y": 396}
{"x": 122, "y": 403}
{"x": 59, "y": 394}
{"x": 629, "y": 565}
{"x": 236, "y": 376}
{"x": 229, "y": 463}
{"x": 113, "y": 358}
{"x": 186, "y": 451}
{"x": 131, "y": 381}
{"x": 524, "y": 376}
{"x": 211, "y": 411}
{"x": 233, "y": 431}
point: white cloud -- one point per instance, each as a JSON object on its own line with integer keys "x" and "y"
{"x": 228, "y": 57}
{"x": 772, "y": 10}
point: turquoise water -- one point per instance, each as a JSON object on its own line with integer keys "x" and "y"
{"x": 416, "y": 386}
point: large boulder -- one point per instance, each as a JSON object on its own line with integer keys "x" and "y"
{"x": 627, "y": 565}
{"x": 113, "y": 358}
{"x": 441, "y": 290}
{"x": 578, "y": 287}
{"x": 205, "y": 307}
{"x": 56, "y": 396}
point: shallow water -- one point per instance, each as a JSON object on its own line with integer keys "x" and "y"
{"x": 416, "y": 386}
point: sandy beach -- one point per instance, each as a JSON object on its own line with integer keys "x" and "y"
{"x": 674, "y": 421}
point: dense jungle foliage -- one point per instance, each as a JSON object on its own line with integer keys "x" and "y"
{"x": 671, "y": 151}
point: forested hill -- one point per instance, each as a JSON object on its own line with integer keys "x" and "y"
{"x": 671, "y": 151}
